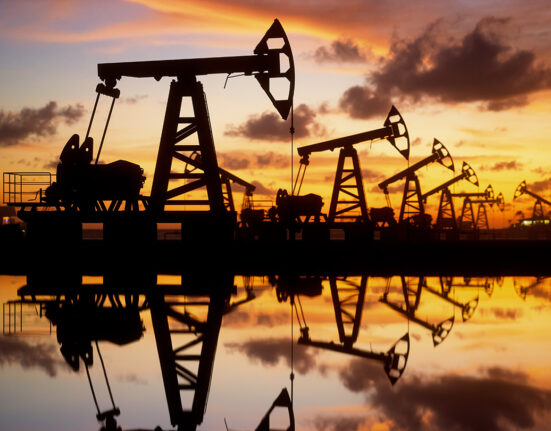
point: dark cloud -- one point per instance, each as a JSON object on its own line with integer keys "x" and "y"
{"x": 363, "y": 102}
{"x": 41, "y": 122}
{"x": 481, "y": 67}
{"x": 261, "y": 189}
{"x": 513, "y": 165}
{"x": 340, "y": 51}
{"x": 42, "y": 356}
{"x": 271, "y": 351}
{"x": 268, "y": 126}
{"x": 415, "y": 142}
{"x": 52, "y": 164}
{"x": 540, "y": 186}
{"x": 273, "y": 160}
{"x": 255, "y": 318}
{"x": 506, "y": 313}
{"x": 371, "y": 175}
{"x": 232, "y": 162}
{"x": 237, "y": 160}
{"x": 337, "y": 423}
{"x": 497, "y": 399}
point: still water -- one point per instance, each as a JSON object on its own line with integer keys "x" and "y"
{"x": 463, "y": 353}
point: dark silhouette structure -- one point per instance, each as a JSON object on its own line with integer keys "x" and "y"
{"x": 412, "y": 210}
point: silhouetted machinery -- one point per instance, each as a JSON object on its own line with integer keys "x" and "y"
{"x": 412, "y": 288}
{"x": 446, "y": 211}
{"x": 467, "y": 308}
{"x": 538, "y": 216}
{"x": 184, "y": 139}
{"x": 412, "y": 210}
{"x": 348, "y": 302}
{"x": 84, "y": 186}
{"x": 348, "y": 178}
{"x": 467, "y": 219}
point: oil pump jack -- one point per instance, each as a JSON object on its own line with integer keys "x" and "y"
{"x": 348, "y": 179}
{"x": 412, "y": 288}
{"x": 348, "y": 302}
{"x": 467, "y": 219}
{"x": 412, "y": 210}
{"x": 446, "y": 213}
{"x": 182, "y": 137}
{"x": 538, "y": 217}
{"x": 467, "y": 308}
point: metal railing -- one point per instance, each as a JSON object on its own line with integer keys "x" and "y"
{"x": 25, "y": 187}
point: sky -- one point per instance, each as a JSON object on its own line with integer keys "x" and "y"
{"x": 475, "y": 75}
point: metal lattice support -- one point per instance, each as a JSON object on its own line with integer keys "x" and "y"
{"x": 412, "y": 202}
{"x": 186, "y": 366}
{"x": 482, "y": 218}
{"x": 446, "y": 212}
{"x": 348, "y": 182}
{"x": 348, "y": 301}
{"x": 467, "y": 219}
{"x": 206, "y": 175}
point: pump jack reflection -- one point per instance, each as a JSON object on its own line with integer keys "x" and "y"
{"x": 412, "y": 288}
{"x": 348, "y": 301}
{"x": 186, "y": 331}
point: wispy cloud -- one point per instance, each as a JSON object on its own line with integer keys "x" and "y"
{"x": 268, "y": 126}
{"x": 38, "y": 122}
{"x": 16, "y": 351}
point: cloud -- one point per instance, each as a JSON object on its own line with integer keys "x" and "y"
{"x": 506, "y": 313}
{"x": 232, "y": 161}
{"x": 364, "y": 102}
{"x": 236, "y": 160}
{"x": 239, "y": 318}
{"x": 513, "y": 165}
{"x": 134, "y": 99}
{"x": 41, "y": 122}
{"x": 340, "y": 51}
{"x": 495, "y": 400}
{"x": 481, "y": 67}
{"x": 539, "y": 186}
{"x": 262, "y": 190}
{"x": 268, "y": 126}
{"x": 337, "y": 423}
{"x": 271, "y": 351}
{"x": 42, "y": 356}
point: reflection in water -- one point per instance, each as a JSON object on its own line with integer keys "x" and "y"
{"x": 353, "y": 333}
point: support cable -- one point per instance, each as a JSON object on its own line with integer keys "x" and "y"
{"x": 105, "y": 129}
{"x": 292, "y": 132}
{"x": 92, "y": 117}
{"x": 92, "y": 388}
{"x": 292, "y": 376}
{"x": 105, "y": 375}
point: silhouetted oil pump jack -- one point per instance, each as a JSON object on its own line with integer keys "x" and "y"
{"x": 83, "y": 318}
{"x": 485, "y": 283}
{"x": 482, "y": 215}
{"x": 348, "y": 302}
{"x": 468, "y": 220}
{"x": 412, "y": 288}
{"x": 348, "y": 179}
{"x": 446, "y": 211}
{"x": 522, "y": 290}
{"x": 265, "y": 65}
{"x": 467, "y": 309}
{"x": 226, "y": 180}
{"x": 282, "y": 401}
{"x": 537, "y": 212}
{"x": 186, "y": 344}
{"x": 412, "y": 210}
